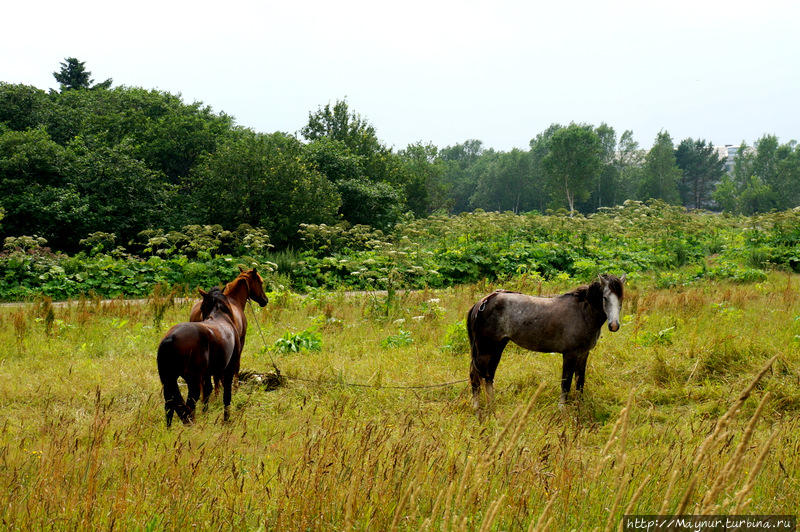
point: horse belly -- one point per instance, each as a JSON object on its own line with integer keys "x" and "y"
{"x": 549, "y": 335}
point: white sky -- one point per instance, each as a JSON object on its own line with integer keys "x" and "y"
{"x": 438, "y": 71}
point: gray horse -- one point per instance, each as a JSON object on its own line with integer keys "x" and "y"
{"x": 568, "y": 324}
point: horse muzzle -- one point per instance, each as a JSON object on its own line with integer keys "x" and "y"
{"x": 613, "y": 326}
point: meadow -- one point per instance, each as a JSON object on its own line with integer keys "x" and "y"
{"x": 692, "y": 407}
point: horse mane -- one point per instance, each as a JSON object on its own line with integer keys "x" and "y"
{"x": 243, "y": 276}
{"x": 594, "y": 291}
{"x": 220, "y": 301}
{"x": 586, "y": 292}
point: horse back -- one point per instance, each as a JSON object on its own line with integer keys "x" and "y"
{"x": 224, "y": 342}
{"x": 184, "y": 349}
{"x": 544, "y": 324}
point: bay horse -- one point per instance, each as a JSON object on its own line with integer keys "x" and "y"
{"x": 197, "y": 351}
{"x": 247, "y": 285}
{"x": 569, "y": 324}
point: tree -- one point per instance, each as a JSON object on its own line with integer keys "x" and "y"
{"x": 701, "y": 169}
{"x": 338, "y": 123}
{"x": 778, "y": 167}
{"x": 661, "y": 173}
{"x": 629, "y": 160}
{"x": 459, "y": 174}
{"x": 549, "y": 192}
{"x": 165, "y": 133}
{"x": 508, "y": 185}
{"x": 605, "y": 191}
{"x": 35, "y": 191}
{"x": 378, "y": 205}
{"x": 262, "y": 180}
{"x": 424, "y": 185}
{"x": 378, "y": 163}
{"x": 22, "y": 106}
{"x": 126, "y": 196}
{"x": 334, "y": 159}
{"x": 73, "y": 75}
{"x": 573, "y": 161}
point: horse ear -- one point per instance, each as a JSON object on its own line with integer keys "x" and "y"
{"x": 623, "y": 278}
{"x": 203, "y": 293}
{"x": 241, "y": 269}
{"x": 600, "y": 279}
{"x": 254, "y": 269}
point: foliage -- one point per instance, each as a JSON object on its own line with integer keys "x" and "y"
{"x": 661, "y": 173}
{"x": 572, "y": 161}
{"x": 262, "y": 180}
{"x": 680, "y": 247}
{"x": 73, "y": 75}
{"x": 401, "y": 339}
{"x": 307, "y": 340}
{"x": 702, "y": 169}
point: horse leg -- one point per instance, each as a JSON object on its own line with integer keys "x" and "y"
{"x": 206, "y": 391}
{"x": 227, "y": 384}
{"x": 475, "y": 381}
{"x": 170, "y": 401}
{"x": 580, "y": 371}
{"x": 194, "y": 385}
{"x": 488, "y": 378}
{"x": 569, "y": 361}
{"x": 484, "y": 365}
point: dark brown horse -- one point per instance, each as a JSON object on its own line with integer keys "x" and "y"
{"x": 568, "y": 324}
{"x": 247, "y": 285}
{"x": 198, "y": 351}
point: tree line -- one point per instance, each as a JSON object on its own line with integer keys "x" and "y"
{"x": 92, "y": 157}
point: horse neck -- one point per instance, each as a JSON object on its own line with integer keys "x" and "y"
{"x": 237, "y": 291}
{"x": 595, "y": 305}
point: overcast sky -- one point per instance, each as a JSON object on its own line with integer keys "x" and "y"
{"x": 438, "y": 71}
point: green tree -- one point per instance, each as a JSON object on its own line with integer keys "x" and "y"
{"x": 605, "y": 191}
{"x": 549, "y": 192}
{"x": 702, "y": 169}
{"x": 573, "y": 160}
{"x": 776, "y": 165}
{"x": 334, "y": 159}
{"x": 262, "y": 180}
{"x": 126, "y": 196}
{"x": 425, "y": 188}
{"x": 508, "y": 184}
{"x": 23, "y": 106}
{"x": 162, "y": 131}
{"x": 339, "y": 123}
{"x": 629, "y": 161}
{"x": 365, "y": 202}
{"x": 661, "y": 173}
{"x": 378, "y": 163}
{"x": 459, "y": 176}
{"x": 35, "y": 192}
{"x": 73, "y": 75}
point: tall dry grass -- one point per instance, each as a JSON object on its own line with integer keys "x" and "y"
{"x": 699, "y": 420}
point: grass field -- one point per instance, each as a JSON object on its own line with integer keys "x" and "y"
{"x": 83, "y": 442}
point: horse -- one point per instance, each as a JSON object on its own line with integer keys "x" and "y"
{"x": 247, "y": 285}
{"x": 569, "y": 324}
{"x": 197, "y": 351}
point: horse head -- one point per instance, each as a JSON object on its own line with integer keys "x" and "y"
{"x": 255, "y": 286}
{"x": 213, "y": 300}
{"x": 612, "y": 298}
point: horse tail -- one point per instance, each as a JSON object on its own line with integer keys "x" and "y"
{"x": 472, "y": 318}
{"x": 168, "y": 372}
